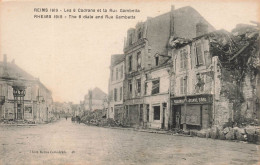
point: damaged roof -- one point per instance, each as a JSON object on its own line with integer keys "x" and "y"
{"x": 116, "y": 59}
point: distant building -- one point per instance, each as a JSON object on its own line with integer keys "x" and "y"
{"x": 23, "y": 97}
{"x": 115, "y": 88}
{"x": 147, "y": 62}
{"x": 96, "y": 99}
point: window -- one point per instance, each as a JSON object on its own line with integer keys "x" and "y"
{"x": 115, "y": 94}
{"x": 145, "y": 88}
{"x": 139, "y": 34}
{"x": 156, "y": 60}
{"x": 116, "y": 73}
{"x": 112, "y": 74}
{"x": 199, "y": 56}
{"x": 131, "y": 39}
{"x": 122, "y": 71}
{"x": 130, "y": 63}
{"x": 156, "y": 112}
{"x": 130, "y": 87}
{"x": 121, "y": 93}
{"x": 138, "y": 60}
{"x": 156, "y": 86}
{"x": 183, "y": 59}
{"x": 183, "y": 85}
{"x": 200, "y": 83}
{"x": 138, "y": 86}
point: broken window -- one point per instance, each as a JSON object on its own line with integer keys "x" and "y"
{"x": 199, "y": 83}
{"x": 156, "y": 112}
{"x": 199, "y": 55}
{"x": 156, "y": 86}
{"x": 138, "y": 60}
{"x": 183, "y": 59}
{"x": 130, "y": 63}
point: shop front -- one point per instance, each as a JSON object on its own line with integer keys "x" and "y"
{"x": 195, "y": 111}
{"x": 134, "y": 112}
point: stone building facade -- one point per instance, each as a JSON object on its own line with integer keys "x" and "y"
{"x": 147, "y": 63}
{"x": 23, "y": 97}
{"x": 212, "y": 87}
{"x": 115, "y": 88}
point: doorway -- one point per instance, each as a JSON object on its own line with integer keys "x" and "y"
{"x": 19, "y": 112}
{"x": 176, "y": 116}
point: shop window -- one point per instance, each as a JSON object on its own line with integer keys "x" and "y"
{"x": 199, "y": 55}
{"x": 183, "y": 85}
{"x": 183, "y": 59}
{"x": 130, "y": 63}
{"x": 115, "y": 94}
{"x": 138, "y": 86}
{"x": 139, "y": 61}
{"x": 156, "y": 86}
{"x": 156, "y": 112}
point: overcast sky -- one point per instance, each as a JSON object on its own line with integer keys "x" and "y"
{"x": 72, "y": 56}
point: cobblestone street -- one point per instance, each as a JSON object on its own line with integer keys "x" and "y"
{"x": 65, "y": 142}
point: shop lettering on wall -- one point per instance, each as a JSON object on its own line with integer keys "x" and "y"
{"x": 201, "y": 99}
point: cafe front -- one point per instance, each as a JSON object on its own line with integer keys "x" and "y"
{"x": 194, "y": 111}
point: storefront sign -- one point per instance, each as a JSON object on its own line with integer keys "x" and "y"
{"x": 193, "y": 99}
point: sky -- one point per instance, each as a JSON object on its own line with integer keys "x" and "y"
{"x": 71, "y": 56}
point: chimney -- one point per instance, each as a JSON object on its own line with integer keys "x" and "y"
{"x": 172, "y": 21}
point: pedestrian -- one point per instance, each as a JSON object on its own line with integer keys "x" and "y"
{"x": 66, "y": 117}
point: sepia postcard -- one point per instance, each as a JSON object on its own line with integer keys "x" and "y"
{"x": 125, "y": 82}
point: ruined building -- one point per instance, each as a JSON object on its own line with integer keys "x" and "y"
{"x": 216, "y": 79}
{"x": 147, "y": 64}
